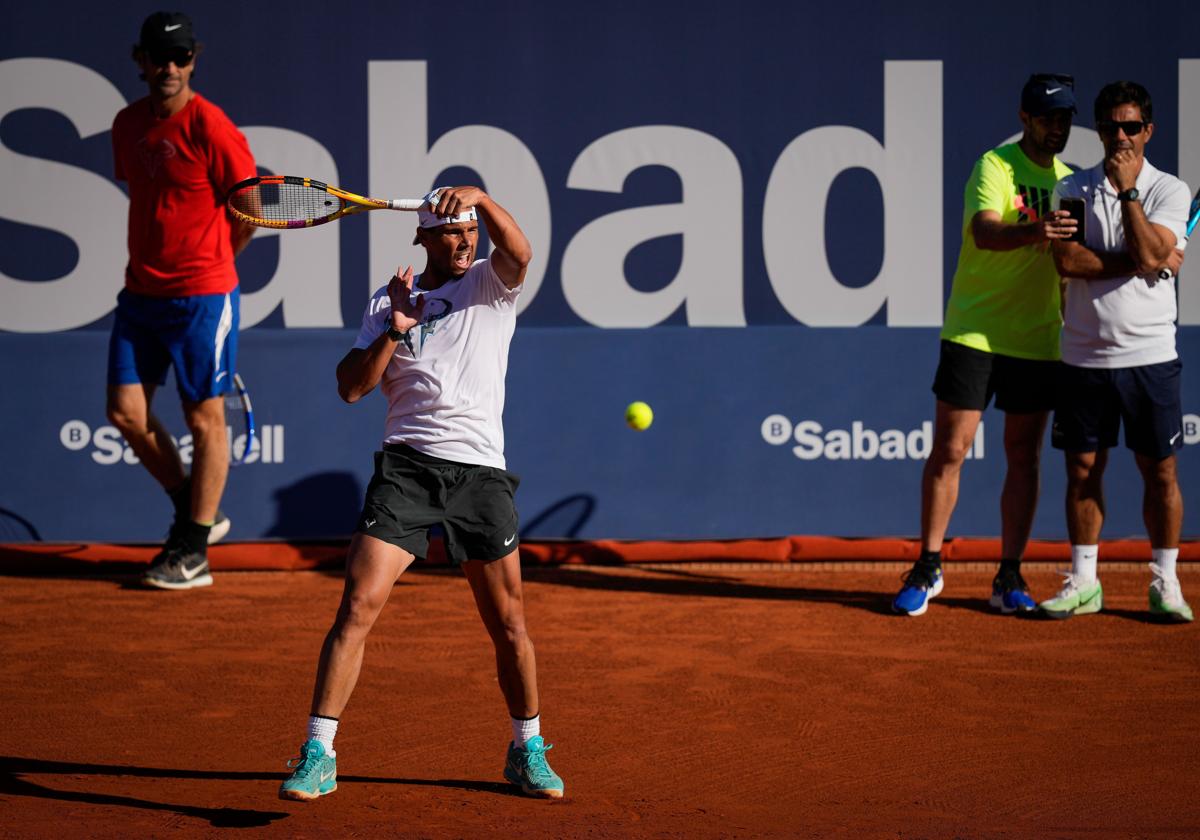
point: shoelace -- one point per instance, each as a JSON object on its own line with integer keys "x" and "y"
{"x": 1070, "y": 585}
{"x": 304, "y": 764}
{"x": 536, "y": 763}
{"x": 921, "y": 574}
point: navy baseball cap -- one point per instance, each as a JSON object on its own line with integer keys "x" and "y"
{"x": 1046, "y": 92}
{"x": 165, "y": 31}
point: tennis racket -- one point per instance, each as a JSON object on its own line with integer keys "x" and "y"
{"x": 1193, "y": 217}
{"x": 287, "y": 201}
{"x": 239, "y": 418}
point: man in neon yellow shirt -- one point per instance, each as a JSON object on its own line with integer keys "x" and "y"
{"x": 1000, "y": 337}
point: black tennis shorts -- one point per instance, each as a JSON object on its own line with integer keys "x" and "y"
{"x": 410, "y": 492}
{"x": 967, "y": 378}
{"x": 1096, "y": 401}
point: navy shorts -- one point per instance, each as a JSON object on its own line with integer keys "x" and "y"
{"x": 1096, "y": 401}
{"x": 967, "y": 378}
{"x": 196, "y": 335}
{"x": 411, "y": 492}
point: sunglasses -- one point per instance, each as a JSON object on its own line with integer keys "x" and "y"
{"x": 179, "y": 56}
{"x": 1132, "y": 128}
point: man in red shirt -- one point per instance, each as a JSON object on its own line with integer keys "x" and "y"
{"x": 179, "y": 154}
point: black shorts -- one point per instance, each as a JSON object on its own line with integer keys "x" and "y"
{"x": 410, "y": 492}
{"x": 967, "y": 378}
{"x": 1096, "y": 401}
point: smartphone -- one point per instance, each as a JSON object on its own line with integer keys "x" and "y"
{"x": 1075, "y": 206}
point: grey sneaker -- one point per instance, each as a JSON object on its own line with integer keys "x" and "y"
{"x": 176, "y": 569}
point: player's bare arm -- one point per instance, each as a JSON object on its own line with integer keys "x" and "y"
{"x": 1148, "y": 244}
{"x": 511, "y": 252}
{"x": 239, "y": 235}
{"x": 1074, "y": 259}
{"x": 992, "y": 234}
{"x": 360, "y": 370}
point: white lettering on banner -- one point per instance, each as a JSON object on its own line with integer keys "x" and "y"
{"x": 858, "y": 443}
{"x": 403, "y": 164}
{"x": 83, "y": 206}
{"x": 1191, "y": 429}
{"x": 908, "y": 165}
{"x": 908, "y": 162}
{"x": 109, "y": 447}
{"x": 307, "y": 276}
{"x": 709, "y": 280}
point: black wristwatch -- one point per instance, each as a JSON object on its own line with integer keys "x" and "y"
{"x": 393, "y": 333}
{"x": 1128, "y": 195}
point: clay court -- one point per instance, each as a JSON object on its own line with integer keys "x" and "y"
{"x": 696, "y": 700}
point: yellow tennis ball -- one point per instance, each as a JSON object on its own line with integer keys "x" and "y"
{"x": 639, "y": 416}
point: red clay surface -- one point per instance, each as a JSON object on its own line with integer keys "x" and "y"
{"x": 683, "y": 702}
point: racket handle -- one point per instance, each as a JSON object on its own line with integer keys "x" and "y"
{"x": 406, "y": 203}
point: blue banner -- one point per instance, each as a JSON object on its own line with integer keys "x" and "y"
{"x": 747, "y": 218}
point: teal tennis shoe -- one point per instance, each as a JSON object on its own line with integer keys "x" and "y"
{"x": 528, "y": 769}
{"x": 314, "y": 773}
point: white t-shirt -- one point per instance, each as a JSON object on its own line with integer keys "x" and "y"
{"x": 445, "y": 382}
{"x": 1123, "y": 321}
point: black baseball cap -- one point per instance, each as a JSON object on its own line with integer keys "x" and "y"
{"x": 166, "y": 31}
{"x": 1046, "y": 92}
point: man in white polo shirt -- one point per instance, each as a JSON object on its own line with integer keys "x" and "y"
{"x": 1118, "y": 348}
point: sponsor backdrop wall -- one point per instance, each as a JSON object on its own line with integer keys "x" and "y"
{"x": 748, "y": 219}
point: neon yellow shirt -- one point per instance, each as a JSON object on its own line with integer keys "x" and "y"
{"x": 1007, "y": 302}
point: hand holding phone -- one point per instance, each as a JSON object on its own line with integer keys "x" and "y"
{"x": 1076, "y": 208}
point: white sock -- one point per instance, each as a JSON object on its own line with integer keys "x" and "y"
{"x": 324, "y": 729}
{"x": 523, "y": 730}
{"x": 1165, "y": 559}
{"x": 1083, "y": 561}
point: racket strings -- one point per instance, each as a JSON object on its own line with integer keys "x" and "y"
{"x": 285, "y": 202}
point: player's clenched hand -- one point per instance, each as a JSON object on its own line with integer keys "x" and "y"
{"x": 1174, "y": 262}
{"x": 455, "y": 200}
{"x": 1057, "y": 224}
{"x": 405, "y": 313}
{"x": 1122, "y": 169}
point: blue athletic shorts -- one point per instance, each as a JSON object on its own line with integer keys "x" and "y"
{"x": 197, "y": 335}
{"x": 1095, "y": 402}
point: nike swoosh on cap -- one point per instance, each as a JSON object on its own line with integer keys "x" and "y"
{"x": 172, "y": 27}
{"x": 1052, "y": 90}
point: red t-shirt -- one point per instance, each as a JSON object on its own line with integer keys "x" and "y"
{"x": 179, "y": 170}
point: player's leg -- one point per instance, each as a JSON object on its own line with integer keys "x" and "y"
{"x": 1153, "y": 414}
{"x": 137, "y": 365}
{"x": 962, "y": 386}
{"x": 198, "y": 332}
{"x": 128, "y": 409}
{"x": 372, "y": 568}
{"x": 1086, "y": 425}
{"x": 496, "y": 586}
{"x": 1026, "y": 391}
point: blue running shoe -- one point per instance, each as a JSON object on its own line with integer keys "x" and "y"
{"x": 528, "y": 769}
{"x": 315, "y": 773}
{"x": 922, "y": 582}
{"x": 1010, "y": 593}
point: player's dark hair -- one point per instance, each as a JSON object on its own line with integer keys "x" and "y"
{"x": 1123, "y": 93}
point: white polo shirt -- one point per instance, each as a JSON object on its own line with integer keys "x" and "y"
{"x": 1123, "y": 321}
{"x": 445, "y": 382}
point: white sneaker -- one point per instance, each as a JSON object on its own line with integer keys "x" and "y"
{"x": 1166, "y": 597}
{"x": 1077, "y": 597}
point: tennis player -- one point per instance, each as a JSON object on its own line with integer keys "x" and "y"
{"x": 439, "y": 346}
{"x": 1121, "y": 364}
{"x": 179, "y": 154}
{"x": 1000, "y": 338}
